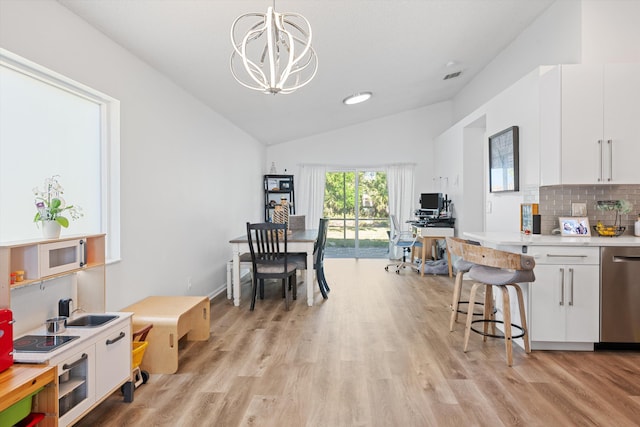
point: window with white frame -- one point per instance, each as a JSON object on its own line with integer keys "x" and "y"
{"x": 53, "y": 126}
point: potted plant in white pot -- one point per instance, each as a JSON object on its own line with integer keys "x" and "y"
{"x": 51, "y": 206}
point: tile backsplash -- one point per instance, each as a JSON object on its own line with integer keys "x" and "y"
{"x": 555, "y": 201}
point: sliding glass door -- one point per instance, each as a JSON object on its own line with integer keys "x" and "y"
{"x": 356, "y": 203}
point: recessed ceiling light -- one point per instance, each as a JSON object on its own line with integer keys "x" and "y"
{"x": 357, "y": 98}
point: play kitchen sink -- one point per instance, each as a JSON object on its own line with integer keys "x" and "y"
{"x": 91, "y": 320}
{"x": 85, "y": 321}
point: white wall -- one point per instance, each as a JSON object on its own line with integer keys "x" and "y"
{"x": 610, "y": 31}
{"x": 190, "y": 179}
{"x": 464, "y": 150}
{"x": 449, "y": 152}
{"x": 553, "y": 38}
{"x": 516, "y": 106}
{"x": 401, "y": 138}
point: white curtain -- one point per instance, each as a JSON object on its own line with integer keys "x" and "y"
{"x": 310, "y": 193}
{"x": 400, "y": 187}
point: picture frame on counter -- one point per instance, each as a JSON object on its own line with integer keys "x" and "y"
{"x": 504, "y": 161}
{"x": 575, "y": 226}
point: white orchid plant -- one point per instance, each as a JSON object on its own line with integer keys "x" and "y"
{"x": 51, "y": 205}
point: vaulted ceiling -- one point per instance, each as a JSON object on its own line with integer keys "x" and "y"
{"x": 398, "y": 49}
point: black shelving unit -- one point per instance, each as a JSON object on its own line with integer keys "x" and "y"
{"x": 276, "y": 187}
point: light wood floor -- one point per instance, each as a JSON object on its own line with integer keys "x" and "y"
{"x": 376, "y": 353}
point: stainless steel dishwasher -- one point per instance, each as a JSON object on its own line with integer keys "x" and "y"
{"x": 620, "y": 295}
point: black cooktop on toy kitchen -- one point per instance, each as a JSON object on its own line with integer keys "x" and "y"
{"x": 41, "y": 343}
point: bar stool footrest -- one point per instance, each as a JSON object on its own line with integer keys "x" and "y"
{"x": 493, "y": 335}
{"x": 475, "y": 314}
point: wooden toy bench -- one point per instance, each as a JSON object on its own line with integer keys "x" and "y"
{"x": 172, "y": 318}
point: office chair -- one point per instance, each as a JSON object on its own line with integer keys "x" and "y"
{"x": 405, "y": 240}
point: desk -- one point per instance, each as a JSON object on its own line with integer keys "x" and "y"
{"x": 427, "y": 235}
{"x": 297, "y": 241}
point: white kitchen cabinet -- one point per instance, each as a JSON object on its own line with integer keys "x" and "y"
{"x": 589, "y": 128}
{"x": 90, "y": 368}
{"x": 113, "y": 360}
{"x": 76, "y": 386}
{"x": 564, "y": 300}
{"x": 581, "y": 124}
{"x": 621, "y": 122}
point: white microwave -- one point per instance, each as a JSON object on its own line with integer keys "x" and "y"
{"x": 61, "y": 257}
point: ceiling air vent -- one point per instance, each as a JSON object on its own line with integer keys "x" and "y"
{"x": 452, "y": 75}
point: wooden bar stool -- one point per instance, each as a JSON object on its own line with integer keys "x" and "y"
{"x": 501, "y": 269}
{"x": 454, "y": 246}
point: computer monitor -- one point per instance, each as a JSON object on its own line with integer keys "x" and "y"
{"x": 432, "y": 202}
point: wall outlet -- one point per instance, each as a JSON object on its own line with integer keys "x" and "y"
{"x": 188, "y": 282}
{"x": 578, "y": 209}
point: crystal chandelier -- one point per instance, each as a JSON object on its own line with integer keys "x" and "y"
{"x": 272, "y": 52}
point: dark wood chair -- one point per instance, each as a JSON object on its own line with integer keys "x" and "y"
{"x": 318, "y": 257}
{"x": 269, "y": 258}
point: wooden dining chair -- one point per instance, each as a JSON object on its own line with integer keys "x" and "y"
{"x": 268, "y": 247}
{"x": 495, "y": 268}
{"x": 318, "y": 258}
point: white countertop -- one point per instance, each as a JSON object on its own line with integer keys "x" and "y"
{"x": 84, "y": 334}
{"x": 516, "y": 238}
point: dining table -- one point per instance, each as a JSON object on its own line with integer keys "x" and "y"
{"x": 298, "y": 241}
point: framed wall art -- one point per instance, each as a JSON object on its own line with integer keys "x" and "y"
{"x": 504, "y": 173}
{"x": 272, "y": 184}
{"x": 285, "y": 185}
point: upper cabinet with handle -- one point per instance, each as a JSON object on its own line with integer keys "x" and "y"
{"x": 621, "y": 123}
{"x": 589, "y": 122}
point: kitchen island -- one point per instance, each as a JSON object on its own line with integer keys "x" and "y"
{"x": 563, "y": 304}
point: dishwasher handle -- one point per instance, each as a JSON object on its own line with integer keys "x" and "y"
{"x": 620, "y": 258}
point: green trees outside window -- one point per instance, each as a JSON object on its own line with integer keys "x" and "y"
{"x": 356, "y": 202}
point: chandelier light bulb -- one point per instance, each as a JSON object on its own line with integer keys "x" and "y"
{"x": 272, "y": 52}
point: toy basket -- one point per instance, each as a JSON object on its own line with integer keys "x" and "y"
{"x": 138, "y": 346}
{"x": 138, "y": 352}
{"x": 18, "y": 411}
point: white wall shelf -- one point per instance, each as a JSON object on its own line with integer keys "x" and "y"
{"x": 32, "y": 257}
